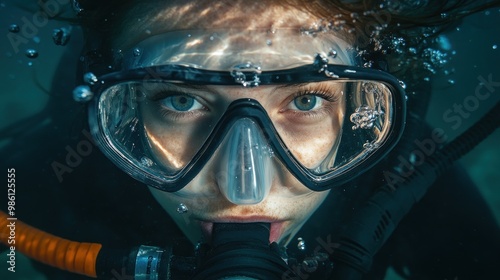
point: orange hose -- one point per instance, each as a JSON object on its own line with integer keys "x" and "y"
{"x": 64, "y": 254}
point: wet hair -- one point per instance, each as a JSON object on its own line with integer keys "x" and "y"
{"x": 395, "y": 36}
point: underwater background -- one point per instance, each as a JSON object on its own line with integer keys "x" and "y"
{"x": 473, "y": 50}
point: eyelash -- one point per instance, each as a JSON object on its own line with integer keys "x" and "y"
{"x": 174, "y": 115}
{"x": 322, "y": 91}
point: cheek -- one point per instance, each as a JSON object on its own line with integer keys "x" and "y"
{"x": 173, "y": 145}
{"x": 311, "y": 144}
{"x": 310, "y": 149}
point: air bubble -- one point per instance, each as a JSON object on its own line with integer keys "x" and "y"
{"x": 301, "y": 245}
{"x": 31, "y": 53}
{"x": 90, "y": 78}
{"x": 182, "y": 208}
{"x": 61, "y": 36}
{"x": 137, "y": 52}
{"x": 14, "y": 28}
{"x": 82, "y": 94}
{"x": 332, "y": 53}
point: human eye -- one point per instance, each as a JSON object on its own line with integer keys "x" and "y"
{"x": 306, "y": 102}
{"x": 175, "y": 103}
{"x": 181, "y": 103}
{"x": 313, "y": 99}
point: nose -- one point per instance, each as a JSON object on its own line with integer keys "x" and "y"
{"x": 247, "y": 159}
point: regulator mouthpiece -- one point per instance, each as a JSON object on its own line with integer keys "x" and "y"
{"x": 249, "y": 164}
{"x": 242, "y": 251}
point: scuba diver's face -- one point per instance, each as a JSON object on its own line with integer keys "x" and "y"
{"x": 308, "y": 117}
{"x": 179, "y": 120}
{"x": 238, "y": 112}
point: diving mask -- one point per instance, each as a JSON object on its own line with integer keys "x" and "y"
{"x": 177, "y": 100}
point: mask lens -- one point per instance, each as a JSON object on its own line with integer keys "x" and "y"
{"x": 154, "y": 129}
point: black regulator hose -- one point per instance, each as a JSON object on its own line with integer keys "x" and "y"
{"x": 375, "y": 221}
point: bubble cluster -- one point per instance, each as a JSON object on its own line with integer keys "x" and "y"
{"x": 434, "y": 59}
{"x": 247, "y": 74}
{"x": 145, "y": 161}
{"x": 402, "y": 6}
{"x": 370, "y": 146}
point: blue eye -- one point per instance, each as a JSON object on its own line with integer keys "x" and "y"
{"x": 306, "y": 102}
{"x": 181, "y": 103}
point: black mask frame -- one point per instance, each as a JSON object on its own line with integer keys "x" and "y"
{"x": 249, "y": 108}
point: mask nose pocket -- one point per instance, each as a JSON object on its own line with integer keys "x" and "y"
{"x": 247, "y": 159}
